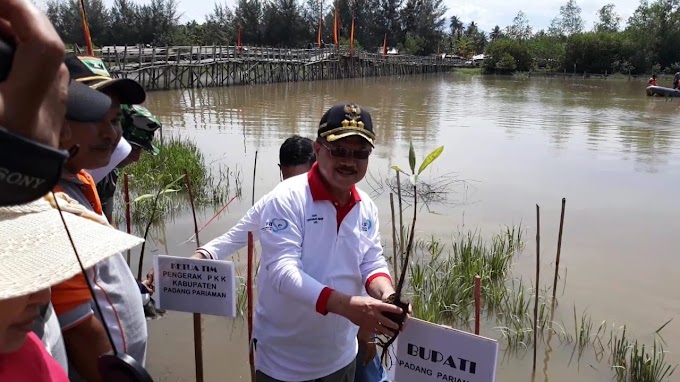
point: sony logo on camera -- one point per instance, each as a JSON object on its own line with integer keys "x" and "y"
{"x": 19, "y": 179}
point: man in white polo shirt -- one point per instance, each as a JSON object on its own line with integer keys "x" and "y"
{"x": 320, "y": 248}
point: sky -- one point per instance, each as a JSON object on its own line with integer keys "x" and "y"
{"x": 486, "y": 13}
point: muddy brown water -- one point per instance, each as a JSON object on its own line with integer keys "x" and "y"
{"x": 610, "y": 150}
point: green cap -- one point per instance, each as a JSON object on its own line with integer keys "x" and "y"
{"x": 139, "y": 126}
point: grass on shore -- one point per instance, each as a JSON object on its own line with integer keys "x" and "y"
{"x": 468, "y": 71}
{"x": 152, "y": 174}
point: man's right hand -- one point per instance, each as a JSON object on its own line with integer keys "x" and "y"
{"x": 198, "y": 255}
{"x": 33, "y": 97}
{"x": 365, "y": 312}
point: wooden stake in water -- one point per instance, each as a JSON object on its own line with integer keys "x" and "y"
{"x": 126, "y": 189}
{"x": 395, "y": 256}
{"x": 478, "y": 302}
{"x": 249, "y": 294}
{"x": 249, "y": 286}
{"x": 198, "y": 338}
{"x": 559, "y": 250}
{"x": 254, "y": 172}
{"x": 538, "y": 271}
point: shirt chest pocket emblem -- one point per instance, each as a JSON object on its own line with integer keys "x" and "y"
{"x": 366, "y": 225}
{"x": 315, "y": 219}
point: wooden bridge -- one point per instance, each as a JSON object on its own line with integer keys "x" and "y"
{"x": 162, "y": 68}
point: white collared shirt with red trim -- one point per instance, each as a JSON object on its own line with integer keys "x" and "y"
{"x": 304, "y": 256}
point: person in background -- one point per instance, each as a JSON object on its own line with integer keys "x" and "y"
{"x": 652, "y": 81}
{"x": 28, "y": 269}
{"x": 139, "y": 127}
{"x": 115, "y": 287}
{"x": 87, "y": 106}
{"x": 676, "y": 81}
{"x": 321, "y": 249}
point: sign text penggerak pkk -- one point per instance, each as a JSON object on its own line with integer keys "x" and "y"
{"x": 185, "y": 281}
{"x": 195, "y": 285}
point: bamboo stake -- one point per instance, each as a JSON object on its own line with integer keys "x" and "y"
{"x": 478, "y": 301}
{"x": 394, "y": 237}
{"x": 254, "y": 172}
{"x": 126, "y": 189}
{"x": 559, "y": 250}
{"x": 538, "y": 271}
{"x": 249, "y": 286}
{"x": 198, "y": 339}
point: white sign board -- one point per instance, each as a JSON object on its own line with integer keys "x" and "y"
{"x": 195, "y": 285}
{"x": 428, "y": 352}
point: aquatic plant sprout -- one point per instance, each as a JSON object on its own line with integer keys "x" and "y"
{"x": 396, "y": 298}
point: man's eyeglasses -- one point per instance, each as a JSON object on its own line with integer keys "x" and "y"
{"x": 343, "y": 152}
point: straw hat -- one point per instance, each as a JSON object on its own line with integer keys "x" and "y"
{"x": 35, "y": 252}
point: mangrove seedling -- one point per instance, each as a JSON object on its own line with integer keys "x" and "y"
{"x": 396, "y": 298}
{"x": 164, "y": 191}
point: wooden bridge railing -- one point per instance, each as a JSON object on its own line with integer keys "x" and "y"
{"x": 179, "y": 67}
{"x": 124, "y": 57}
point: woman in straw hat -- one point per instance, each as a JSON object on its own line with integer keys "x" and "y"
{"x": 31, "y": 234}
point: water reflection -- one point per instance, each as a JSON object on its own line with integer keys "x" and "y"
{"x": 427, "y": 108}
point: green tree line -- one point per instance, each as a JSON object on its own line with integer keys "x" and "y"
{"x": 649, "y": 42}
{"x": 414, "y": 26}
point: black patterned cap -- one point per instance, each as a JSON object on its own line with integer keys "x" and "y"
{"x": 344, "y": 120}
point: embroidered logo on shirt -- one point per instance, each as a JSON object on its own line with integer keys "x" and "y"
{"x": 276, "y": 225}
{"x": 315, "y": 219}
{"x": 366, "y": 225}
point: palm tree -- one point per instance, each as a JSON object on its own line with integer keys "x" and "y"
{"x": 472, "y": 30}
{"x": 496, "y": 33}
{"x": 456, "y": 26}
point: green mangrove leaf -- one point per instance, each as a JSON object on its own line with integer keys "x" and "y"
{"x": 397, "y": 168}
{"x": 174, "y": 182}
{"x": 167, "y": 191}
{"x": 430, "y": 158}
{"x": 143, "y": 197}
{"x": 412, "y": 158}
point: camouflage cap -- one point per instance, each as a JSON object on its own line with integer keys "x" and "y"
{"x": 139, "y": 126}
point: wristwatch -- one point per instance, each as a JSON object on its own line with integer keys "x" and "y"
{"x": 28, "y": 169}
